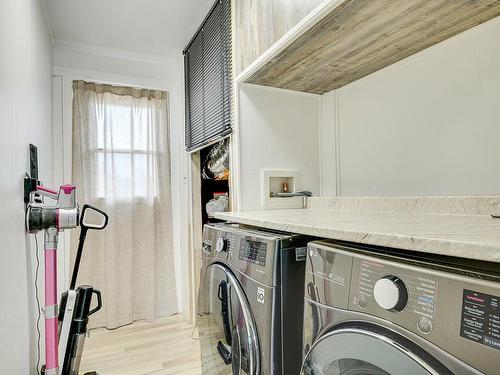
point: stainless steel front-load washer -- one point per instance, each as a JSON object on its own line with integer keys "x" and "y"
{"x": 382, "y": 311}
{"x": 250, "y": 307}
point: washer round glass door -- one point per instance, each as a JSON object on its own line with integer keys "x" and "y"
{"x": 228, "y": 337}
{"x": 356, "y": 351}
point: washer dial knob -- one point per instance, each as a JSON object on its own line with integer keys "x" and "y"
{"x": 221, "y": 245}
{"x": 390, "y": 293}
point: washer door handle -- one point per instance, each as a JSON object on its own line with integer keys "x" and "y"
{"x": 224, "y": 352}
{"x": 223, "y": 294}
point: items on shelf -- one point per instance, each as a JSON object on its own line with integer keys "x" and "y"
{"x": 220, "y": 203}
{"x": 216, "y": 163}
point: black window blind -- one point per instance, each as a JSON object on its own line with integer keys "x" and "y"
{"x": 208, "y": 79}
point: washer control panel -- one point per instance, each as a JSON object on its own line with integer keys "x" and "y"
{"x": 394, "y": 289}
{"x": 390, "y": 293}
{"x": 253, "y": 251}
{"x": 481, "y": 318}
{"x": 443, "y": 301}
{"x": 221, "y": 244}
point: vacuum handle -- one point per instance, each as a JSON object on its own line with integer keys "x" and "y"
{"x": 83, "y": 234}
{"x": 99, "y": 226}
{"x": 99, "y": 302}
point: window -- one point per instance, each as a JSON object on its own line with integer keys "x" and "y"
{"x": 208, "y": 79}
{"x": 123, "y": 148}
{"x": 121, "y": 164}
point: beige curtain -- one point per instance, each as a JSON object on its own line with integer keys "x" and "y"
{"x": 121, "y": 164}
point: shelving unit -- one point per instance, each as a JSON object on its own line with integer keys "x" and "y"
{"x": 208, "y": 188}
{"x": 347, "y": 40}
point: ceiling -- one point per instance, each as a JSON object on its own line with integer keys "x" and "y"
{"x": 159, "y": 28}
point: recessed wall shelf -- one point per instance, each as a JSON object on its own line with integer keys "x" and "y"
{"x": 349, "y": 39}
{"x": 272, "y": 181}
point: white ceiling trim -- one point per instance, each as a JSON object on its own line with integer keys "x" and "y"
{"x": 117, "y": 53}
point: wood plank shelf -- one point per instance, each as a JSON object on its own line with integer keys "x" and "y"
{"x": 359, "y": 37}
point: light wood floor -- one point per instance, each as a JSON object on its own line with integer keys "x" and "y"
{"x": 160, "y": 348}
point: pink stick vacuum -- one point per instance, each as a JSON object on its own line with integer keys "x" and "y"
{"x": 51, "y": 310}
{"x": 52, "y": 219}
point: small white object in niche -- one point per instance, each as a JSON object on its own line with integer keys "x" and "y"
{"x": 272, "y": 181}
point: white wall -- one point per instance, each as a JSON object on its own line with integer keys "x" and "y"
{"x": 428, "y": 125}
{"x": 25, "y": 117}
{"x": 278, "y": 129}
{"x": 167, "y": 75}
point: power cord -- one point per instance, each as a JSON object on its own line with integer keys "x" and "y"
{"x": 38, "y": 308}
{"x": 192, "y": 333}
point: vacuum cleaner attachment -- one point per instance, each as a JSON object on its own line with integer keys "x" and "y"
{"x": 74, "y": 309}
{"x": 40, "y": 218}
{"x": 76, "y": 340}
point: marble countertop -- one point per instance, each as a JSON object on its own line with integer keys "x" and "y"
{"x": 467, "y": 236}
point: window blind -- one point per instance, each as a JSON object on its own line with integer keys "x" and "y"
{"x": 208, "y": 79}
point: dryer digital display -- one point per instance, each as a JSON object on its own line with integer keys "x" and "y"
{"x": 253, "y": 251}
{"x": 481, "y": 318}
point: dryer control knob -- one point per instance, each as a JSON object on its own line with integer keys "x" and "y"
{"x": 390, "y": 293}
{"x": 221, "y": 245}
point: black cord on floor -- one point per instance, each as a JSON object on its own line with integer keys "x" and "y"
{"x": 123, "y": 325}
{"x": 38, "y": 307}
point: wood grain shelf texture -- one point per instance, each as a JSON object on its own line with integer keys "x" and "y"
{"x": 359, "y": 37}
{"x": 260, "y": 23}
